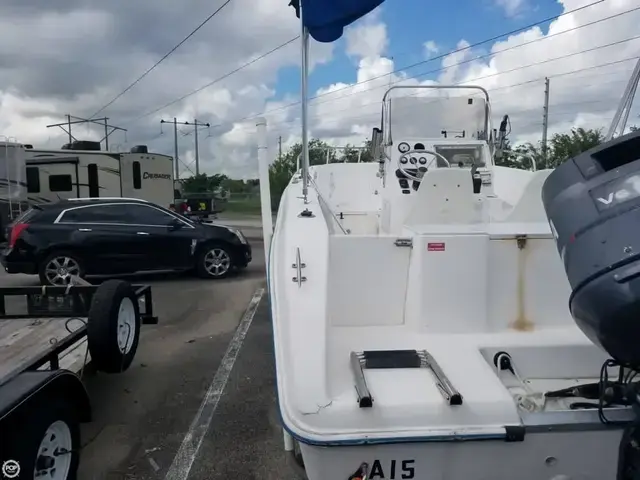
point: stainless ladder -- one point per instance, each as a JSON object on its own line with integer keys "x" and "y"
{"x": 374, "y": 359}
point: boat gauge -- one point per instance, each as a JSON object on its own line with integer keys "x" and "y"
{"x": 413, "y": 160}
{"x": 422, "y": 160}
{"x": 404, "y": 160}
{"x": 404, "y": 147}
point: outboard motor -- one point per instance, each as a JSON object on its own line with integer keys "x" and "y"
{"x": 592, "y": 202}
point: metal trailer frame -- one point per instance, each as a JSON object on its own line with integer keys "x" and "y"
{"x": 26, "y": 388}
{"x": 72, "y": 301}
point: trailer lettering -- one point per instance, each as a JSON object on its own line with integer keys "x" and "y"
{"x": 155, "y": 176}
{"x": 398, "y": 470}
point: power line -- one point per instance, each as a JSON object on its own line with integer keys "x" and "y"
{"x": 226, "y": 75}
{"x": 283, "y": 123}
{"x": 462, "y": 49}
{"x": 206, "y": 20}
{"x": 492, "y": 75}
{"x": 555, "y": 113}
{"x": 66, "y": 127}
{"x": 194, "y": 124}
{"x": 293, "y": 104}
{"x": 519, "y": 84}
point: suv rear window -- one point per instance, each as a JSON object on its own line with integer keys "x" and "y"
{"x": 25, "y": 216}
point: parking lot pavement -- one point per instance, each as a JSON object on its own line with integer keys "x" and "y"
{"x": 244, "y": 440}
{"x": 141, "y": 416}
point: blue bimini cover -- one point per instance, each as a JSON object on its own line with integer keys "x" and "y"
{"x": 326, "y": 19}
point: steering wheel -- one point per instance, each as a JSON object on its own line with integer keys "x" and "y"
{"x": 424, "y": 164}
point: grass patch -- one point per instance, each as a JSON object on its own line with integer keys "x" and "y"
{"x": 245, "y": 206}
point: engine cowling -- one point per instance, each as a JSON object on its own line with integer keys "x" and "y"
{"x": 592, "y": 202}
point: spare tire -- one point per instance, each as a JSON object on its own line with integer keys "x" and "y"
{"x": 113, "y": 326}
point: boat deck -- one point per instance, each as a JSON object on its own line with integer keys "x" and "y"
{"x": 416, "y": 402}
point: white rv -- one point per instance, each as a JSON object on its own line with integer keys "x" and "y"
{"x": 82, "y": 170}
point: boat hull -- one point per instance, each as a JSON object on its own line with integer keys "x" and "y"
{"x": 558, "y": 455}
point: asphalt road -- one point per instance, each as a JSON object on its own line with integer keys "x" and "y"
{"x": 141, "y": 417}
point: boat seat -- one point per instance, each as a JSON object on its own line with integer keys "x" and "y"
{"x": 445, "y": 197}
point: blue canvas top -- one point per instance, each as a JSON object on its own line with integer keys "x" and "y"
{"x": 326, "y": 19}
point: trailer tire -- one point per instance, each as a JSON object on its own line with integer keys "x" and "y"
{"x": 51, "y": 425}
{"x": 113, "y": 326}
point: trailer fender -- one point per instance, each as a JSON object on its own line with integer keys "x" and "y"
{"x": 18, "y": 394}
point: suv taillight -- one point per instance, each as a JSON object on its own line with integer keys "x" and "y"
{"x": 16, "y": 230}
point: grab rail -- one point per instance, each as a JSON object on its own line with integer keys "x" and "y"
{"x": 328, "y": 150}
{"x": 299, "y": 266}
{"x": 326, "y": 204}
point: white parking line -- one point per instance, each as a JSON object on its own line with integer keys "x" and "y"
{"x": 186, "y": 455}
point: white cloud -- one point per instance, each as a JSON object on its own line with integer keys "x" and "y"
{"x": 73, "y": 56}
{"x": 430, "y": 48}
{"x": 512, "y": 8}
{"x": 367, "y": 40}
{"x": 588, "y": 97}
{"x": 61, "y": 74}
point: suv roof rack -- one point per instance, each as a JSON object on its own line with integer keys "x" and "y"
{"x": 85, "y": 199}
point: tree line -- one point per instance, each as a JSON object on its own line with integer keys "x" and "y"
{"x": 560, "y": 147}
{"x": 218, "y": 184}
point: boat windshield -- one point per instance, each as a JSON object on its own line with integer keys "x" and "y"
{"x": 462, "y": 155}
{"x": 436, "y": 117}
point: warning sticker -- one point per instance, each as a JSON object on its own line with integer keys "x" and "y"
{"x": 435, "y": 247}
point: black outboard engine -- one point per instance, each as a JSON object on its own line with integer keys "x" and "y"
{"x": 592, "y": 202}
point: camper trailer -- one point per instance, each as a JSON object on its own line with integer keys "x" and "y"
{"x": 80, "y": 169}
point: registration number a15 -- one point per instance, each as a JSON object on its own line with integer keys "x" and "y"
{"x": 392, "y": 470}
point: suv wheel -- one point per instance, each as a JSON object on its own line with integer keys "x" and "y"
{"x": 59, "y": 268}
{"x": 214, "y": 261}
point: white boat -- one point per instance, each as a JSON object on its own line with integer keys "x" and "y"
{"x": 421, "y": 315}
{"x": 419, "y": 322}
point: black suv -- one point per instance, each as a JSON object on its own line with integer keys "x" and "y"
{"x": 117, "y": 236}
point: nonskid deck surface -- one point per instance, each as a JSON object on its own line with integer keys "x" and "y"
{"x": 417, "y": 402}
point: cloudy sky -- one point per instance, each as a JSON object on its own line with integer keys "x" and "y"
{"x": 75, "y": 56}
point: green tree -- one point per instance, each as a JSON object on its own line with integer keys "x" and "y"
{"x": 281, "y": 171}
{"x": 560, "y": 147}
{"x": 238, "y": 186}
{"x": 351, "y": 154}
{"x": 202, "y": 183}
{"x": 567, "y": 145}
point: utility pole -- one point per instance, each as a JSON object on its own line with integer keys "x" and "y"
{"x": 195, "y": 124}
{"x": 175, "y": 145}
{"x": 545, "y": 121}
{"x": 195, "y": 132}
{"x": 71, "y": 120}
{"x": 106, "y": 134}
{"x": 279, "y": 147}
